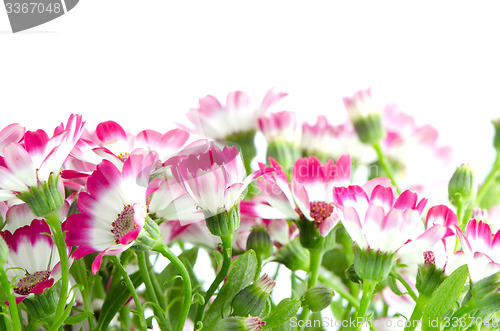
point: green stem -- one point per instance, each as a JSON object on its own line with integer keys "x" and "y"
{"x": 162, "y": 248}
{"x": 490, "y": 179}
{"x": 124, "y": 318}
{"x": 58, "y": 237}
{"x": 131, "y": 289}
{"x": 145, "y": 274}
{"x": 226, "y": 263}
{"x": 406, "y": 285}
{"x": 87, "y": 304}
{"x": 315, "y": 256}
{"x": 340, "y": 290}
{"x": 417, "y": 313}
{"x": 386, "y": 165}
{"x": 368, "y": 287}
{"x": 14, "y": 312}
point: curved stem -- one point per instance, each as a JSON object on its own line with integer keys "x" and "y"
{"x": 58, "y": 236}
{"x": 14, "y": 312}
{"x": 407, "y": 286}
{"x": 226, "y": 263}
{"x": 144, "y": 271}
{"x": 131, "y": 289}
{"x": 163, "y": 249}
{"x": 368, "y": 287}
{"x": 385, "y": 164}
{"x": 490, "y": 179}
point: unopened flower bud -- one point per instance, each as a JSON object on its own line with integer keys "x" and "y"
{"x": 45, "y": 198}
{"x": 372, "y": 265}
{"x": 252, "y": 299}
{"x": 149, "y": 236}
{"x": 260, "y": 241}
{"x": 4, "y": 251}
{"x": 240, "y": 324}
{"x": 486, "y": 294}
{"x": 462, "y": 185}
{"x": 318, "y": 298}
{"x": 294, "y": 256}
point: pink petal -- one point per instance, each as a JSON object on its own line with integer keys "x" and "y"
{"x": 441, "y": 215}
{"x": 96, "y": 264}
{"x": 110, "y": 131}
{"x": 407, "y": 200}
{"x": 271, "y": 98}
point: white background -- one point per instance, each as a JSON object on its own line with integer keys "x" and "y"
{"x": 144, "y": 63}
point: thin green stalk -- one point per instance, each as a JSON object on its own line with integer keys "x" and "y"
{"x": 131, "y": 289}
{"x": 226, "y": 263}
{"x": 340, "y": 290}
{"x": 87, "y": 304}
{"x": 385, "y": 164}
{"x": 14, "y": 312}
{"x": 490, "y": 179}
{"x": 145, "y": 274}
{"x": 315, "y": 256}
{"x": 368, "y": 288}
{"x": 162, "y": 248}
{"x": 416, "y": 315}
{"x": 406, "y": 285}
{"x": 58, "y": 237}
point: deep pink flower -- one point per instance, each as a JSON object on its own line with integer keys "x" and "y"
{"x": 213, "y": 120}
{"x": 114, "y": 209}
{"x": 376, "y": 220}
{"x": 24, "y": 165}
{"x": 33, "y": 259}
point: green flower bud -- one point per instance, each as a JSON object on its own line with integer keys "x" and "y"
{"x": 149, "y": 236}
{"x": 294, "y": 256}
{"x": 4, "y": 251}
{"x": 240, "y": 324}
{"x": 260, "y": 241}
{"x": 225, "y": 222}
{"x": 318, "y": 298}
{"x": 369, "y": 129}
{"x": 252, "y": 299}
{"x": 372, "y": 265}
{"x": 486, "y": 294}
{"x": 45, "y": 198}
{"x": 462, "y": 185}
{"x": 429, "y": 277}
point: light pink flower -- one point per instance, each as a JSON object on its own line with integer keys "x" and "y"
{"x": 360, "y": 105}
{"x": 280, "y": 126}
{"x": 376, "y": 220}
{"x": 114, "y": 209}
{"x": 481, "y": 248}
{"x": 240, "y": 113}
{"x": 33, "y": 259}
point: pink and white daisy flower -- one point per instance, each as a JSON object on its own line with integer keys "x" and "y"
{"x": 33, "y": 259}
{"x": 21, "y": 215}
{"x": 240, "y": 114}
{"x": 114, "y": 209}
{"x": 375, "y": 220}
{"x": 27, "y": 164}
{"x": 360, "y": 105}
{"x": 214, "y": 177}
{"x": 280, "y": 127}
{"x": 481, "y": 248}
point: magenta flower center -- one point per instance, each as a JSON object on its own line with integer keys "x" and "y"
{"x": 26, "y": 285}
{"x": 320, "y": 211}
{"x": 124, "y": 223}
{"x": 429, "y": 257}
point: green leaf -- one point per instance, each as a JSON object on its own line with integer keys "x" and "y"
{"x": 283, "y": 312}
{"x": 116, "y": 297}
{"x": 444, "y": 299}
{"x": 241, "y": 275}
{"x": 75, "y": 319}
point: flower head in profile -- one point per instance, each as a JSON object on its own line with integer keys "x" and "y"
{"x": 29, "y": 162}
{"x": 365, "y": 116}
{"x": 240, "y": 114}
{"x": 375, "y": 220}
{"x": 33, "y": 259}
{"x": 280, "y": 126}
{"x": 213, "y": 176}
{"x": 114, "y": 209}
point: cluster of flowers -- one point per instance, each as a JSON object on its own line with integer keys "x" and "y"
{"x": 71, "y": 199}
